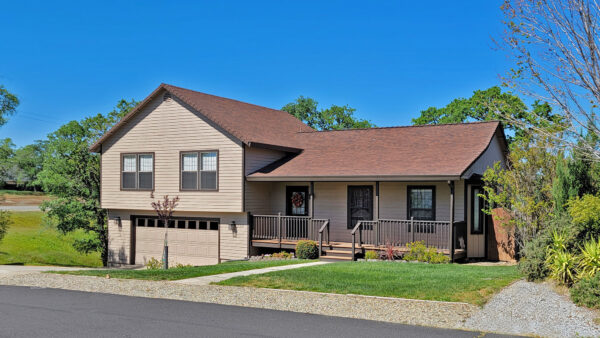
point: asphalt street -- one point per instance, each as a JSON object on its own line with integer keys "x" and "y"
{"x": 41, "y": 312}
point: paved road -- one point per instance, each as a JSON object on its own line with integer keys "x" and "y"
{"x": 20, "y": 207}
{"x": 35, "y": 312}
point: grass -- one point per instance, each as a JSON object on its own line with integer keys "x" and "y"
{"x": 31, "y": 242}
{"x": 21, "y": 192}
{"x": 184, "y": 272}
{"x": 444, "y": 282}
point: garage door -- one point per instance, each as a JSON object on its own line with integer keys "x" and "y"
{"x": 192, "y": 241}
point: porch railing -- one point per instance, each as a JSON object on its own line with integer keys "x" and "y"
{"x": 292, "y": 228}
{"x": 435, "y": 234}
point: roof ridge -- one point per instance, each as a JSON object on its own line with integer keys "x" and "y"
{"x": 398, "y": 127}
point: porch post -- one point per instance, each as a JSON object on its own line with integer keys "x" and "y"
{"x": 451, "y": 239}
{"x": 311, "y": 196}
{"x": 376, "y": 213}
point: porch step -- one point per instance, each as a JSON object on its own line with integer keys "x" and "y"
{"x": 333, "y": 252}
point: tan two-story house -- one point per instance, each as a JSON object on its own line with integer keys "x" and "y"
{"x": 250, "y": 178}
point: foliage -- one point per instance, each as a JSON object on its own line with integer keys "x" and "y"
{"x": 5, "y": 221}
{"x": 586, "y": 292}
{"x": 181, "y": 265}
{"x": 524, "y": 187}
{"x": 6, "y": 154}
{"x": 445, "y": 282}
{"x": 589, "y": 262}
{"x": 371, "y": 254}
{"x": 418, "y": 251}
{"x": 28, "y": 160}
{"x": 562, "y": 266}
{"x": 153, "y": 264}
{"x": 488, "y": 105}
{"x": 333, "y": 118}
{"x": 72, "y": 174}
{"x": 533, "y": 264}
{"x": 307, "y": 250}
{"x": 389, "y": 253}
{"x": 184, "y": 272}
{"x": 585, "y": 212}
{"x": 8, "y": 105}
{"x": 283, "y": 255}
{"x": 164, "y": 210}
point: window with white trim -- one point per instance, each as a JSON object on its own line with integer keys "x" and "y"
{"x": 199, "y": 170}
{"x": 137, "y": 171}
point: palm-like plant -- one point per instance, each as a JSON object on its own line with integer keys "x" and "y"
{"x": 589, "y": 263}
{"x": 562, "y": 266}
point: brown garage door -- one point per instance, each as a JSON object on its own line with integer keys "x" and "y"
{"x": 192, "y": 241}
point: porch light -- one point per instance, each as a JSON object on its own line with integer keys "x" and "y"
{"x": 118, "y": 220}
{"x": 232, "y": 226}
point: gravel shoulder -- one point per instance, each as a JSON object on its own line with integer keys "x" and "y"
{"x": 414, "y": 312}
{"x": 534, "y": 309}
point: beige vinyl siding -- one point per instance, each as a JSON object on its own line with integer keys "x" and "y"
{"x": 475, "y": 242}
{"x": 492, "y": 155}
{"x": 166, "y": 128}
{"x": 119, "y": 237}
{"x": 258, "y": 197}
{"x": 257, "y": 158}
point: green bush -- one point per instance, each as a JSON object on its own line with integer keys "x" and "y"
{"x": 4, "y": 223}
{"x": 417, "y": 251}
{"x": 589, "y": 262}
{"x": 586, "y": 292}
{"x": 371, "y": 255}
{"x": 307, "y": 250}
{"x": 153, "y": 264}
{"x": 585, "y": 212}
{"x": 533, "y": 263}
{"x": 562, "y": 265}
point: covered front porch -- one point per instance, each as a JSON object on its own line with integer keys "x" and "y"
{"x": 348, "y": 218}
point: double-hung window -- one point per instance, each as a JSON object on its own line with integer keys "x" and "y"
{"x": 137, "y": 171}
{"x": 421, "y": 203}
{"x": 199, "y": 170}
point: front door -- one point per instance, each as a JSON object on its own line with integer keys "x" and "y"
{"x": 360, "y": 204}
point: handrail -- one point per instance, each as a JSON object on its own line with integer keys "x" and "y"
{"x": 321, "y": 229}
{"x": 353, "y": 233}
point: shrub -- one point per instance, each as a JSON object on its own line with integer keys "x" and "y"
{"x": 417, "y": 251}
{"x": 180, "y": 265}
{"x": 585, "y": 212}
{"x": 389, "y": 253}
{"x": 4, "y": 222}
{"x": 153, "y": 264}
{"x": 371, "y": 255}
{"x": 562, "y": 266}
{"x": 589, "y": 262}
{"x": 307, "y": 250}
{"x": 533, "y": 263}
{"x": 283, "y": 255}
{"x": 586, "y": 292}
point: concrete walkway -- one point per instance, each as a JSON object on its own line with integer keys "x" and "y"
{"x": 206, "y": 280}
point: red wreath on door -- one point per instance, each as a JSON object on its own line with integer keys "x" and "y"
{"x": 297, "y": 199}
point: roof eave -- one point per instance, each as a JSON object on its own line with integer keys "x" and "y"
{"x": 356, "y": 178}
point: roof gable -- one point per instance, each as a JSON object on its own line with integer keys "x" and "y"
{"x": 247, "y": 122}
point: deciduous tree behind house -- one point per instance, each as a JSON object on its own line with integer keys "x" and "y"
{"x": 333, "y": 118}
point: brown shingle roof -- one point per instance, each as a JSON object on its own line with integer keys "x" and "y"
{"x": 433, "y": 150}
{"x": 247, "y": 122}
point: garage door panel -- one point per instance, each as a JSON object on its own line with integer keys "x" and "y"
{"x": 186, "y": 246}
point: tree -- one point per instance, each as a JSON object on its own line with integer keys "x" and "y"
{"x": 164, "y": 210}
{"x": 72, "y": 174}
{"x": 555, "y": 46}
{"x": 29, "y": 160}
{"x": 332, "y": 118}
{"x": 7, "y": 151}
{"x": 492, "y": 104}
{"x": 8, "y": 105}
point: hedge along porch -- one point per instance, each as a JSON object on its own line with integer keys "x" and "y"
{"x": 377, "y": 213}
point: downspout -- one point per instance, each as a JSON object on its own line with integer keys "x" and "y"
{"x": 451, "y": 239}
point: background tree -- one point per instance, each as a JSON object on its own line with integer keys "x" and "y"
{"x": 332, "y": 118}
{"x": 28, "y": 161}
{"x": 8, "y": 105}
{"x": 492, "y": 104}
{"x": 554, "y": 44}
{"x": 7, "y": 151}
{"x": 72, "y": 174}
{"x": 4, "y": 223}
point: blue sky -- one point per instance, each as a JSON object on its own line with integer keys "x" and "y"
{"x": 389, "y": 60}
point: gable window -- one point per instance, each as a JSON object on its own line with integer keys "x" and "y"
{"x": 137, "y": 171}
{"x": 477, "y": 214}
{"x": 199, "y": 170}
{"x": 421, "y": 203}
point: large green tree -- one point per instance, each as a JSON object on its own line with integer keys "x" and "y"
{"x": 7, "y": 151}
{"x": 72, "y": 174}
{"x": 28, "y": 161}
{"x": 8, "y": 105}
{"x": 332, "y": 118}
{"x": 492, "y": 104}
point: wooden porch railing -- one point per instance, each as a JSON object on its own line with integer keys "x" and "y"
{"x": 289, "y": 228}
{"x": 435, "y": 234}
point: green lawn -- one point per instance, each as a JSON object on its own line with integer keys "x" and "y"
{"x": 30, "y": 242}
{"x": 184, "y": 272}
{"x": 445, "y": 282}
{"x": 21, "y": 192}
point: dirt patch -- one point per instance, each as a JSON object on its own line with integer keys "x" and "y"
{"x": 23, "y": 200}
